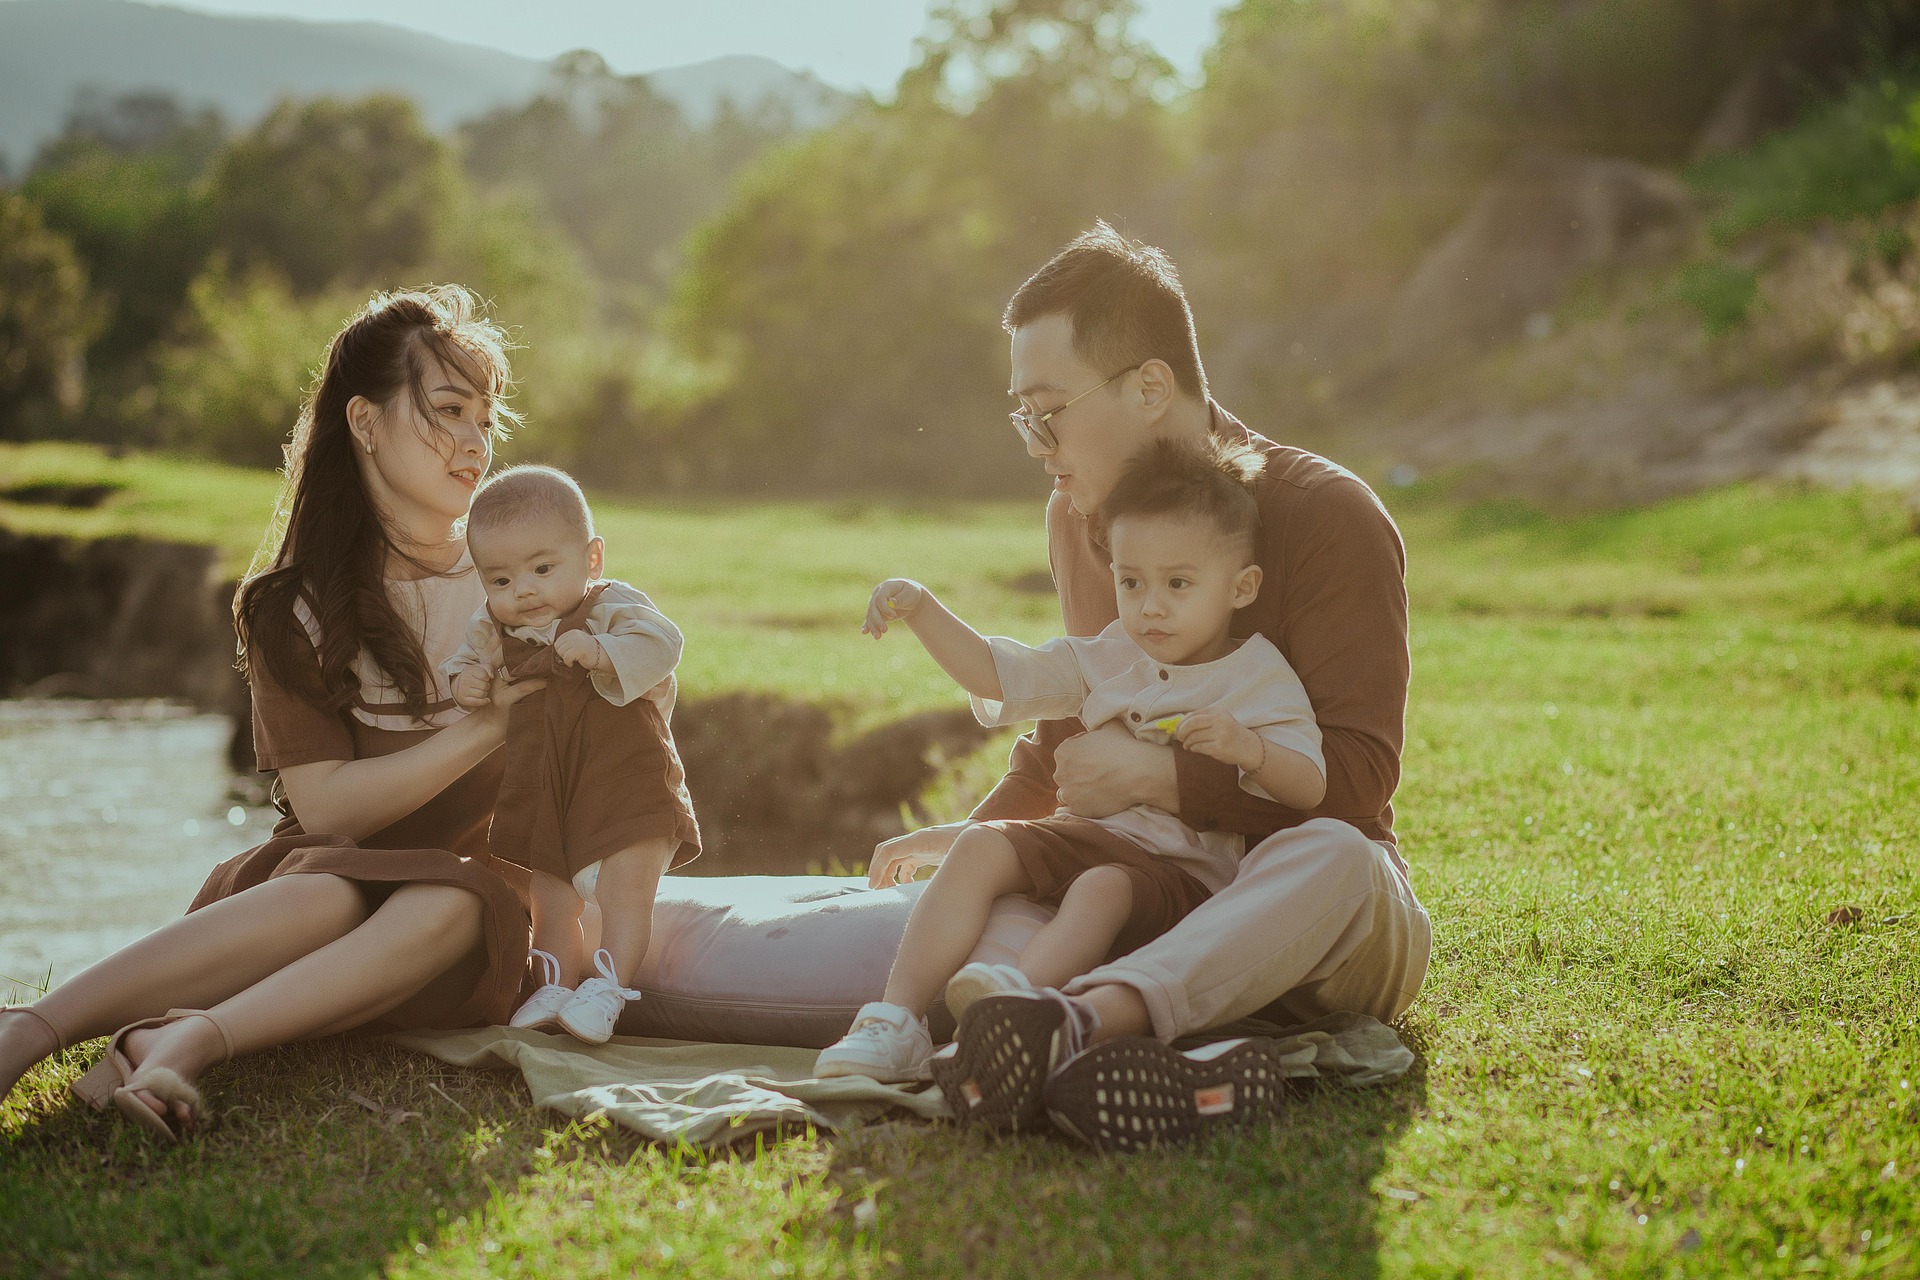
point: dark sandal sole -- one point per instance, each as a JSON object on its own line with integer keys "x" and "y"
{"x": 993, "y": 1073}
{"x": 1130, "y": 1094}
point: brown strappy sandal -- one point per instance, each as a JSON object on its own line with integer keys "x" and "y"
{"x": 114, "y": 1080}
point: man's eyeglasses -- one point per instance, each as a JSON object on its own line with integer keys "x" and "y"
{"x": 1035, "y": 429}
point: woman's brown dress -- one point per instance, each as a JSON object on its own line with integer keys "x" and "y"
{"x": 442, "y": 842}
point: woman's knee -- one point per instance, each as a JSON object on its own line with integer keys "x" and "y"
{"x": 443, "y": 913}
{"x": 326, "y": 898}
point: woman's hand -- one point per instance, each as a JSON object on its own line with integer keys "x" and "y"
{"x": 505, "y": 694}
{"x": 893, "y": 601}
{"x": 1213, "y": 732}
{"x": 898, "y": 860}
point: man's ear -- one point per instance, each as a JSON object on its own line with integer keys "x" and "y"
{"x": 1246, "y": 586}
{"x": 596, "y": 552}
{"x": 362, "y": 413}
{"x": 1156, "y": 387}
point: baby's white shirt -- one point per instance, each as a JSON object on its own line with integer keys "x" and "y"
{"x": 641, "y": 642}
{"x": 1109, "y": 677}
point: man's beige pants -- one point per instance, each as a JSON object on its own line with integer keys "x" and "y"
{"x": 1319, "y": 919}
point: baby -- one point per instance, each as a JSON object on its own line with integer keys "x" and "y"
{"x": 594, "y": 800}
{"x": 1180, "y": 524}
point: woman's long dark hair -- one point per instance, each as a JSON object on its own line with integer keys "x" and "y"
{"x": 326, "y": 544}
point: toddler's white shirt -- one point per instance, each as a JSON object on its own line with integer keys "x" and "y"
{"x": 1109, "y": 677}
{"x": 641, "y": 642}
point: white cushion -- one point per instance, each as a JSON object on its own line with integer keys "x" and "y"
{"x": 785, "y": 959}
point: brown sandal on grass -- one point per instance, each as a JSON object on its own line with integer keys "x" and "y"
{"x": 115, "y": 1081}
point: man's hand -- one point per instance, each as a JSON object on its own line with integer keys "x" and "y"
{"x": 1100, "y": 773}
{"x": 896, "y": 861}
{"x": 473, "y": 687}
{"x": 1213, "y": 732}
{"x": 893, "y": 601}
{"x": 579, "y": 649}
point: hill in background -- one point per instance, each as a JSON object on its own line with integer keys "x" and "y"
{"x": 52, "y": 49}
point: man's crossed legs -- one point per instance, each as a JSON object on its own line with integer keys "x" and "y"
{"x": 1318, "y": 920}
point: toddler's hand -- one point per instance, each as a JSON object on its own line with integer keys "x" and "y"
{"x": 473, "y": 688}
{"x": 893, "y": 601}
{"x": 1215, "y": 733}
{"x": 578, "y": 648}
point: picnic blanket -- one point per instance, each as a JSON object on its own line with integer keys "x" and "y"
{"x": 677, "y": 1091}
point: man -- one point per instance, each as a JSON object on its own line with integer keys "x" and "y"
{"x": 1321, "y": 917}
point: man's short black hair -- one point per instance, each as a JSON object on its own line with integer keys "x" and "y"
{"x": 1206, "y": 479}
{"x": 1124, "y": 302}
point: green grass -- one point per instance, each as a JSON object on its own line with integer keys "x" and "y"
{"x": 1853, "y": 155}
{"x": 1649, "y": 754}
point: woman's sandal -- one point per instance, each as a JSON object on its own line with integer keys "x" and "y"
{"x": 115, "y": 1081}
{"x": 54, "y": 1029}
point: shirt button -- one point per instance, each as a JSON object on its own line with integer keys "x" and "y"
{"x": 1164, "y": 675}
{"x": 1136, "y": 717}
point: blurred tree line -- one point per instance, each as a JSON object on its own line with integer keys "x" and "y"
{"x": 742, "y": 305}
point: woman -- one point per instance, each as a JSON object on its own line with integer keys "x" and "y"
{"x": 376, "y": 901}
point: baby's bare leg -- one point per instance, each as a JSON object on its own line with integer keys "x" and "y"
{"x": 1078, "y": 938}
{"x": 952, "y": 912}
{"x": 556, "y": 925}
{"x": 624, "y": 893}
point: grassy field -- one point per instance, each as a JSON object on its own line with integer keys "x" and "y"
{"x": 1661, "y": 796}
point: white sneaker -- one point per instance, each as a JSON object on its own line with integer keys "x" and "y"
{"x": 886, "y": 1043}
{"x": 978, "y": 979}
{"x": 544, "y": 1005}
{"x": 595, "y": 1006}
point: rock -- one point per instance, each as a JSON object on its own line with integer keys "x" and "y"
{"x": 1545, "y": 221}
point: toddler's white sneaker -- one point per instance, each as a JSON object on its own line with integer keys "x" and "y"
{"x": 543, "y": 1006}
{"x": 886, "y": 1043}
{"x": 596, "y": 1004}
{"x": 980, "y": 979}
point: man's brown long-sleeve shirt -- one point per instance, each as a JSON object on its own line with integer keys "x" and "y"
{"x": 1333, "y": 599}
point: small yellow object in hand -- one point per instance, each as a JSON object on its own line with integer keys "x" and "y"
{"x": 1168, "y": 724}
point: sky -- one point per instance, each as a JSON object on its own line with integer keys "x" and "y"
{"x": 852, "y": 44}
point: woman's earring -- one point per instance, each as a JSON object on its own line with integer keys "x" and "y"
{"x": 369, "y": 447}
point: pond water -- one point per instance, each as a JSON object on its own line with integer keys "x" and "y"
{"x": 111, "y": 815}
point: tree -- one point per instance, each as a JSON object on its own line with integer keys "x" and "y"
{"x": 45, "y": 319}
{"x": 123, "y": 183}
{"x": 616, "y": 164}
{"x": 850, "y": 294}
{"x": 329, "y": 192}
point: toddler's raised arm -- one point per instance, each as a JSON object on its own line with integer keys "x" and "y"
{"x": 962, "y": 652}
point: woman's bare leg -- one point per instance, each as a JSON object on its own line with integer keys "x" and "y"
{"x": 1077, "y": 939}
{"x": 420, "y": 932}
{"x": 625, "y": 891}
{"x": 947, "y": 922}
{"x": 197, "y": 960}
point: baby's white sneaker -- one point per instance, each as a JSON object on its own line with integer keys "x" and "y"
{"x": 886, "y": 1043}
{"x": 594, "y": 1007}
{"x": 544, "y": 1005}
{"x": 980, "y": 979}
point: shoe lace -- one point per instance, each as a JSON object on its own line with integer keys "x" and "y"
{"x": 608, "y": 981}
{"x": 549, "y": 965}
{"x": 875, "y": 1026}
